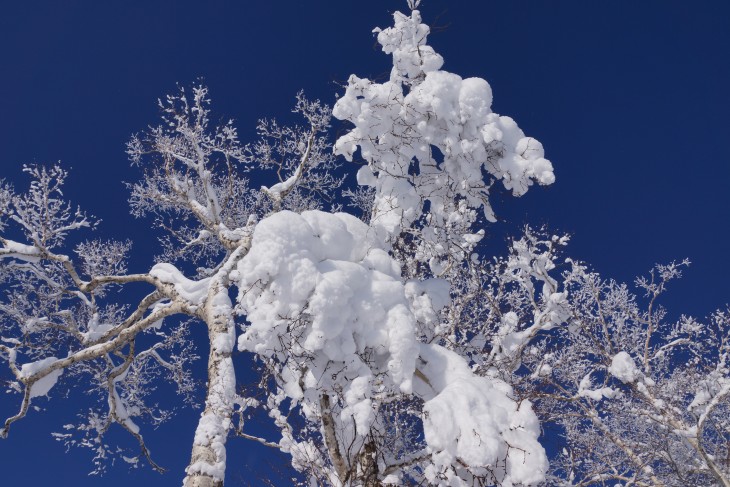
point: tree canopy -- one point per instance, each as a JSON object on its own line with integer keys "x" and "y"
{"x": 387, "y": 346}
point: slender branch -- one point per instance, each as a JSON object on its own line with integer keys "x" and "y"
{"x": 330, "y": 436}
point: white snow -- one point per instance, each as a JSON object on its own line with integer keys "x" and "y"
{"x": 427, "y": 298}
{"x": 277, "y": 189}
{"x": 315, "y": 283}
{"x": 321, "y": 292}
{"x": 623, "y": 368}
{"x": 95, "y": 329}
{"x": 422, "y": 111}
{"x": 28, "y": 253}
{"x": 42, "y": 386}
{"x": 317, "y": 289}
{"x": 584, "y": 390}
{"x": 473, "y": 419}
{"x": 194, "y": 292}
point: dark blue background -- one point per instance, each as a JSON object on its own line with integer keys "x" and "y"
{"x": 629, "y": 98}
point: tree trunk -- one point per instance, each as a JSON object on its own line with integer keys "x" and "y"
{"x": 330, "y": 437}
{"x": 208, "y": 462}
{"x": 369, "y": 465}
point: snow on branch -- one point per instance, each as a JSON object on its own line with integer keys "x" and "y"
{"x": 329, "y": 313}
{"x": 429, "y": 136}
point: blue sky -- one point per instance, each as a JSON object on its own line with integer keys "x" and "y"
{"x": 630, "y": 100}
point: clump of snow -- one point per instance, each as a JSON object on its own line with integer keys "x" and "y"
{"x": 623, "y": 368}
{"x": 702, "y": 397}
{"x": 326, "y": 301}
{"x": 95, "y": 329}
{"x": 193, "y": 292}
{"x": 543, "y": 371}
{"x": 391, "y": 479}
{"x": 317, "y": 287}
{"x": 474, "y": 420}
{"x": 421, "y": 114}
{"x": 42, "y": 386}
{"x": 427, "y": 298}
{"x": 221, "y": 308}
{"x": 118, "y": 408}
{"x": 406, "y": 41}
{"x": 708, "y": 391}
{"x": 33, "y": 324}
{"x": 584, "y": 390}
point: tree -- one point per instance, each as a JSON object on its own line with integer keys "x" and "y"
{"x": 630, "y": 398}
{"x": 343, "y": 314}
{"x": 390, "y": 350}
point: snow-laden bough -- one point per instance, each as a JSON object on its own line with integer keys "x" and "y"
{"x": 330, "y": 306}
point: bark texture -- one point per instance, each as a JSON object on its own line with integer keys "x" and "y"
{"x": 208, "y": 461}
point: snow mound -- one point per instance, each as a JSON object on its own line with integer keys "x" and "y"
{"x": 314, "y": 287}
{"x": 623, "y": 368}
{"x": 473, "y": 420}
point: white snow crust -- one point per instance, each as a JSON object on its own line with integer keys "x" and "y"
{"x": 213, "y": 427}
{"x": 584, "y": 390}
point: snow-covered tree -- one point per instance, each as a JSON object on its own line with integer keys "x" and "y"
{"x": 346, "y": 315}
{"x": 389, "y": 350}
{"x": 61, "y": 315}
{"x": 357, "y": 323}
{"x": 630, "y": 397}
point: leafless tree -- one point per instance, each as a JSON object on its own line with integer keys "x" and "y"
{"x": 637, "y": 399}
{"x": 60, "y": 311}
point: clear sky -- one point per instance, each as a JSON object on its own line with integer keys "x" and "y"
{"x": 630, "y": 100}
